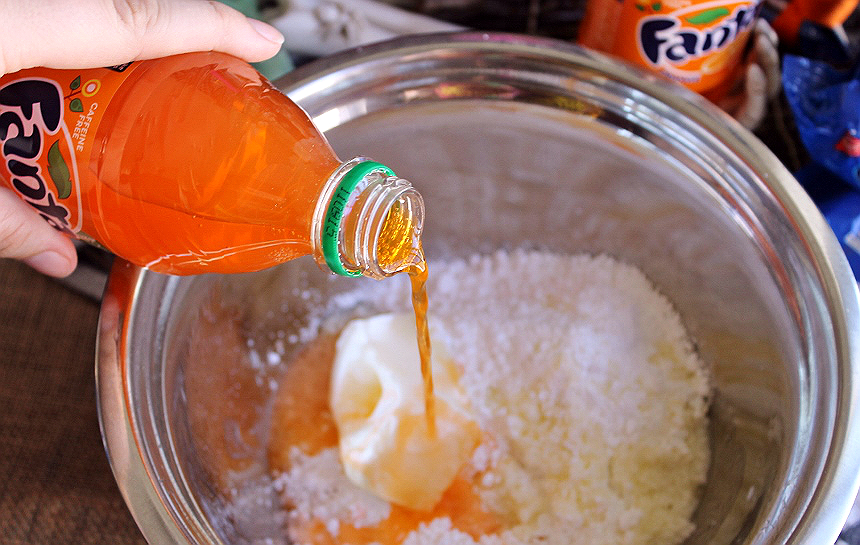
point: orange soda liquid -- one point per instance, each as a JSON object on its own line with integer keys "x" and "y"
{"x": 187, "y": 164}
{"x": 697, "y": 43}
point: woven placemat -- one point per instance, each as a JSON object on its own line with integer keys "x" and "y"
{"x": 56, "y": 486}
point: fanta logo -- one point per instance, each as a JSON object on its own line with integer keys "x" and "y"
{"x": 31, "y": 111}
{"x": 676, "y": 39}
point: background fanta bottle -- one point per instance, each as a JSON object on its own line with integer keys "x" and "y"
{"x": 698, "y": 43}
{"x": 196, "y": 163}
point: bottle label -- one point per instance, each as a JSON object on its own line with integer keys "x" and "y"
{"x": 697, "y": 43}
{"x": 690, "y": 42}
{"x": 48, "y": 121}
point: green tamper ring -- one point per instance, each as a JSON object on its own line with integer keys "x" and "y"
{"x": 334, "y": 213}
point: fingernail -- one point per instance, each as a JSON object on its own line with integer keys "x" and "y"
{"x": 267, "y": 31}
{"x": 51, "y": 263}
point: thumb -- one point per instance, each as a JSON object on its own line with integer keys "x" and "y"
{"x": 92, "y": 33}
{"x": 27, "y": 237}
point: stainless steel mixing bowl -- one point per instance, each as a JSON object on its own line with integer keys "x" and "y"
{"x": 516, "y": 141}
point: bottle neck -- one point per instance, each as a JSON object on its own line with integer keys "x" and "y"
{"x": 368, "y": 222}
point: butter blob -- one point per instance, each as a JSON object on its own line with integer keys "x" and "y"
{"x": 377, "y": 401}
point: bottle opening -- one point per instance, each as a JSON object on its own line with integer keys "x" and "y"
{"x": 398, "y": 245}
{"x": 373, "y": 222}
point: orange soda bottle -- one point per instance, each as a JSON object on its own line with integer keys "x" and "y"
{"x": 196, "y": 163}
{"x": 698, "y": 43}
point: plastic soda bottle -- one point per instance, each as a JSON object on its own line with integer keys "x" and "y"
{"x": 698, "y": 43}
{"x": 196, "y": 163}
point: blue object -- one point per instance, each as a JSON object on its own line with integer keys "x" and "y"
{"x": 826, "y": 106}
{"x": 839, "y": 202}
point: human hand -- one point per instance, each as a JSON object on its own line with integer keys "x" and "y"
{"x": 761, "y": 81}
{"x": 93, "y": 33}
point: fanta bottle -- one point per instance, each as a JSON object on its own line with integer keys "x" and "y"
{"x": 698, "y": 43}
{"x": 196, "y": 163}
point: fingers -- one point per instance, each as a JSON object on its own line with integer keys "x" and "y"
{"x": 27, "y": 237}
{"x": 767, "y": 56}
{"x": 761, "y": 81}
{"x": 754, "y": 106}
{"x": 91, "y": 33}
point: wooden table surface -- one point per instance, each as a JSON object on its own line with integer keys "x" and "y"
{"x": 56, "y": 486}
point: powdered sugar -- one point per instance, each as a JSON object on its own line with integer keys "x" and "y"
{"x": 586, "y": 385}
{"x": 317, "y": 488}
